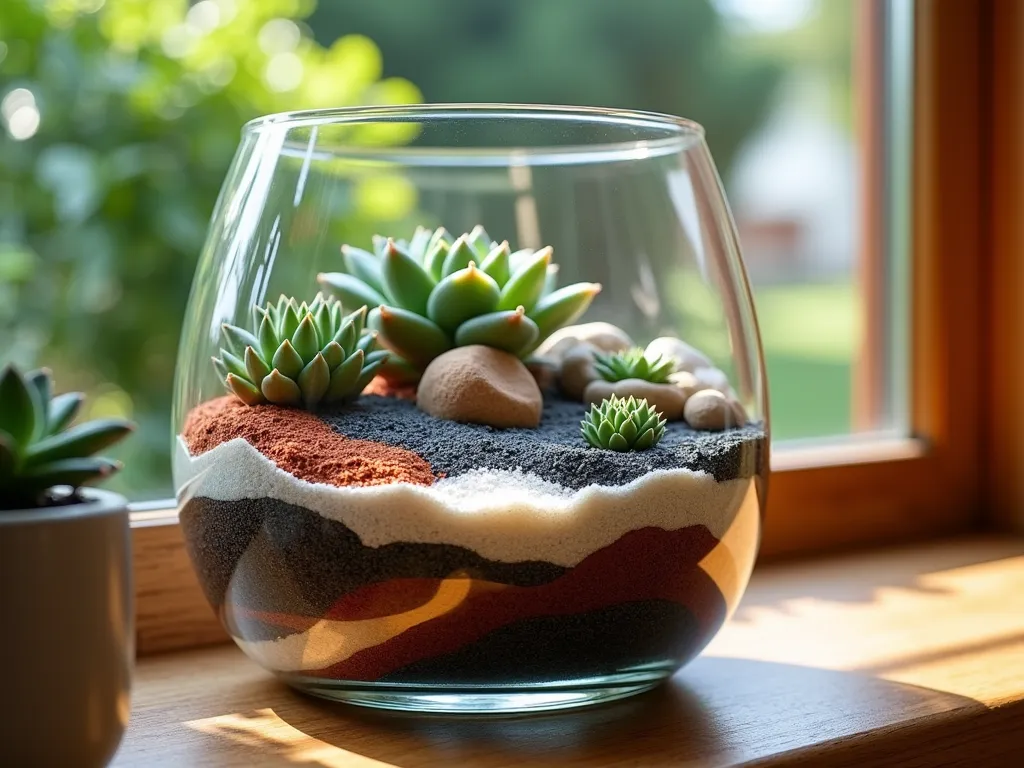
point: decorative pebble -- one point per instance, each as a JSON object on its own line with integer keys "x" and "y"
{"x": 578, "y": 370}
{"x": 667, "y": 398}
{"x": 605, "y": 337}
{"x": 710, "y": 409}
{"x": 713, "y": 378}
{"x": 688, "y": 358}
{"x": 686, "y": 382}
{"x": 544, "y": 371}
{"x": 480, "y": 385}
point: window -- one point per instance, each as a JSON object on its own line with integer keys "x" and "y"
{"x": 120, "y": 119}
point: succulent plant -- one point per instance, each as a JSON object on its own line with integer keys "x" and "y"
{"x": 632, "y": 364}
{"x": 300, "y": 354}
{"x": 434, "y": 292}
{"x": 38, "y": 448}
{"x": 623, "y": 424}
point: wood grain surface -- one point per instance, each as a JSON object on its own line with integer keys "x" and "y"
{"x": 911, "y": 657}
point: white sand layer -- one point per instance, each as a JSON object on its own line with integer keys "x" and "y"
{"x": 503, "y": 515}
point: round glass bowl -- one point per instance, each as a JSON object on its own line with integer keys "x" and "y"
{"x": 427, "y": 488}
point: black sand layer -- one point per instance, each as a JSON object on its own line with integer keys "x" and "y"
{"x": 646, "y": 633}
{"x": 555, "y": 451}
{"x": 286, "y": 559}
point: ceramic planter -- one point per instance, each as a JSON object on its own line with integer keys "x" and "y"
{"x": 68, "y": 632}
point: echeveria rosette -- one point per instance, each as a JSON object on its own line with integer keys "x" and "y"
{"x": 436, "y": 292}
{"x": 623, "y": 424}
{"x": 632, "y": 364}
{"x": 39, "y": 449}
{"x": 303, "y": 355}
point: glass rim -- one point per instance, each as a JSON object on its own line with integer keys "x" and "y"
{"x": 682, "y": 131}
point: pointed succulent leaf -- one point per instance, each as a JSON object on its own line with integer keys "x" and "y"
{"x": 40, "y": 386}
{"x": 352, "y": 292}
{"x": 367, "y": 341}
{"x": 255, "y": 367}
{"x": 289, "y": 320}
{"x": 645, "y": 441}
{"x": 287, "y": 362}
{"x": 314, "y": 381}
{"x": 510, "y": 330}
{"x": 63, "y": 409}
{"x": 407, "y": 283}
{"x": 462, "y": 295}
{"x": 479, "y": 241}
{"x": 518, "y": 258}
{"x": 344, "y": 377}
{"x": 324, "y": 323}
{"x": 551, "y": 279}
{"x": 459, "y": 255}
{"x": 218, "y": 364}
{"x": 234, "y": 364}
{"x": 304, "y": 339}
{"x": 375, "y": 355}
{"x": 379, "y": 244}
{"x": 605, "y": 430}
{"x": 333, "y": 354}
{"x": 526, "y": 284}
{"x": 398, "y": 371}
{"x": 17, "y": 407}
{"x": 280, "y": 389}
{"x": 366, "y": 376}
{"x": 268, "y": 339}
{"x": 75, "y": 472}
{"x": 362, "y": 265}
{"x": 411, "y": 336}
{"x": 433, "y": 262}
{"x": 244, "y": 390}
{"x": 238, "y": 339}
{"x": 418, "y": 244}
{"x": 496, "y": 264}
{"x": 563, "y": 306}
{"x": 82, "y": 440}
{"x": 618, "y": 443}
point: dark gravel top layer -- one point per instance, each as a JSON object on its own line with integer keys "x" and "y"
{"x": 554, "y": 451}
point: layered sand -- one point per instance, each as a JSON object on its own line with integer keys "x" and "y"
{"x": 413, "y": 580}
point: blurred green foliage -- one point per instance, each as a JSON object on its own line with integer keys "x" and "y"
{"x": 104, "y": 208}
{"x": 662, "y": 55}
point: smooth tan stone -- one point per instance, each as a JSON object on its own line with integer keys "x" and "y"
{"x": 711, "y": 410}
{"x": 577, "y": 370}
{"x": 480, "y": 385}
{"x": 667, "y": 398}
{"x": 688, "y": 358}
{"x": 604, "y": 337}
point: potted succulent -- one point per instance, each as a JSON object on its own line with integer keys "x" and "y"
{"x": 68, "y": 637}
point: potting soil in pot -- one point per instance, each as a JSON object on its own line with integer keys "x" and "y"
{"x": 373, "y": 542}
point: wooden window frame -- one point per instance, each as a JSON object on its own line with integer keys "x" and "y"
{"x": 858, "y": 493}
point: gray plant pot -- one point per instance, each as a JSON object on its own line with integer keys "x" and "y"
{"x": 67, "y": 632}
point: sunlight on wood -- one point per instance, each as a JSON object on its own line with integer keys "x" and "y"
{"x": 932, "y": 633}
{"x": 264, "y": 730}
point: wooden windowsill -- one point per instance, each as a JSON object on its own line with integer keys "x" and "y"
{"x": 900, "y": 657}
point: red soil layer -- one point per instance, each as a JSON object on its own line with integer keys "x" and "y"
{"x": 302, "y": 445}
{"x": 381, "y": 386}
{"x": 647, "y": 564}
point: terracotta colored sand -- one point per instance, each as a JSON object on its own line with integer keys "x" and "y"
{"x": 381, "y": 386}
{"x": 302, "y": 445}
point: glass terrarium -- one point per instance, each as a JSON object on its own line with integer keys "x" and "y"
{"x": 470, "y": 410}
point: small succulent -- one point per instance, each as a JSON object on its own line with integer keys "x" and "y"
{"x": 299, "y": 354}
{"x": 633, "y": 364}
{"x": 39, "y": 450}
{"x": 623, "y": 424}
{"x": 434, "y": 292}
